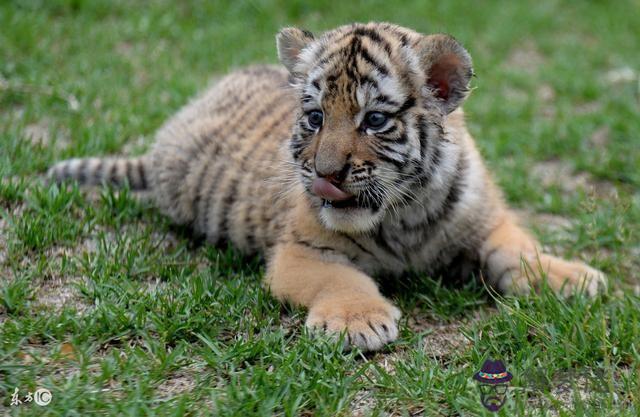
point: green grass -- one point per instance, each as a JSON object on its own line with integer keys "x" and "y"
{"x": 158, "y": 324}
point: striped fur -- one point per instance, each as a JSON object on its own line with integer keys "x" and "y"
{"x": 96, "y": 171}
{"x": 240, "y": 162}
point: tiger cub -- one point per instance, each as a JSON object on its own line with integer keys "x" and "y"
{"x": 352, "y": 161}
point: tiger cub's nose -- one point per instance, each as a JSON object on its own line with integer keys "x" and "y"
{"x": 336, "y": 177}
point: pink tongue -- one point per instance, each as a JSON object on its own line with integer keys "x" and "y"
{"x": 324, "y": 189}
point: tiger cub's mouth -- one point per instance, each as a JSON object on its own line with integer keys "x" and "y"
{"x": 350, "y": 203}
{"x": 336, "y": 198}
{"x": 341, "y": 204}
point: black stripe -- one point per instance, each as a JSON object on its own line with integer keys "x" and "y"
{"x": 128, "y": 170}
{"x": 327, "y": 58}
{"x": 398, "y": 164}
{"x": 352, "y": 240}
{"x": 199, "y": 185}
{"x": 408, "y": 103}
{"x": 113, "y": 172}
{"x": 431, "y": 156}
{"x": 312, "y": 246}
{"x": 382, "y": 243}
{"x": 375, "y": 38}
{"x": 456, "y": 188}
{"x": 435, "y": 159}
{"x": 251, "y": 236}
{"x": 386, "y": 135}
{"x": 422, "y": 135}
{"x": 227, "y": 203}
{"x": 82, "y": 171}
{"x": 66, "y": 167}
{"x": 384, "y": 99}
{"x": 178, "y": 173}
{"x": 365, "y": 79}
{"x": 141, "y": 174}
{"x": 404, "y": 40}
{"x": 211, "y": 191}
{"x": 332, "y": 78}
{"x": 97, "y": 172}
{"x": 453, "y": 195}
{"x": 366, "y": 56}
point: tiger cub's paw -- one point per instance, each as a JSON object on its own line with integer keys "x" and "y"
{"x": 370, "y": 322}
{"x": 570, "y": 277}
{"x": 563, "y": 277}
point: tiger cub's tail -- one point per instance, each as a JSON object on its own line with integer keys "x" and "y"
{"x": 96, "y": 171}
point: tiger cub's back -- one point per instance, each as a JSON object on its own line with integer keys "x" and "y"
{"x": 217, "y": 163}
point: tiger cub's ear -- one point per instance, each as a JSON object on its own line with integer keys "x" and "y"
{"x": 448, "y": 69}
{"x": 290, "y": 42}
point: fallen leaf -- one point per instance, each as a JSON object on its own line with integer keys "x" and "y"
{"x": 67, "y": 351}
{"x": 26, "y": 358}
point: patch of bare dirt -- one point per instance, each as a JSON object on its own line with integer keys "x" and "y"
{"x": 514, "y": 95}
{"x": 441, "y": 340}
{"x": 6, "y": 274}
{"x": 550, "y": 223}
{"x": 562, "y": 175}
{"x": 61, "y": 292}
{"x": 525, "y": 58}
{"x": 58, "y": 291}
{"x": 180, "y": 382}
{"x": 589, "y": 107}
{"x": 125, "y": 49}
{"x": 363, "y": 403}
{"x": 600, "y": 138}
{"x": 587, "y": 386}
{"x": 44, "y": 133}
{"x": 620, "y": 75}
{"x": 546, "y": 93}
{"x": 446, "y": 341}
{"x": 3, "y": 240}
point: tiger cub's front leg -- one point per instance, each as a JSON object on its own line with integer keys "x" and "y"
{"x": 514, "y": 263}
{"x": 338, "y": 296}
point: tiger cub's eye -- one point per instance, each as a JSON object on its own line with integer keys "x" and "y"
{"x": 375, "y": 119}
{"x": 314, "y": 118}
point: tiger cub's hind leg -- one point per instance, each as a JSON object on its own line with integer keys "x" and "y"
{"x": 514, "y": 263}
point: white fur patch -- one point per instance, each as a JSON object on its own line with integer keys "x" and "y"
{"x": 350, "y": 220}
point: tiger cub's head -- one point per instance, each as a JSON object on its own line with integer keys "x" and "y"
{"x": 373, "y": 97}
